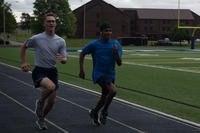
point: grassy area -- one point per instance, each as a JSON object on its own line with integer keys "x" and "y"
{"x": 71, "y": 43}
{"x": 78, "y": 43}
{"x": 165, "y": 81}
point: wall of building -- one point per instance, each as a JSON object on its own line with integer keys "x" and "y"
{"x": 127, "y": 22}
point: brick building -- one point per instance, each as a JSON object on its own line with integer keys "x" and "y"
{"x": 129, "y": 22}
{"x": 92, "y": 14}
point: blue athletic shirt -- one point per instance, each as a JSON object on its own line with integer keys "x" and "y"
{"x": 103, "y": 58}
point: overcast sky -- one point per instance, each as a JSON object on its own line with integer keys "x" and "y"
{"x": 19, "y": 6}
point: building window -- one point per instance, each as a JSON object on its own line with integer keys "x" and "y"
{"x": 168, "y": 29}
{"x": 98, "y": 15}
{"x": 145, "y": 29}
{"x": 123, "y": 28}
{"x": 151, "y": 28}
{"x": 132, "y": 21}
{"x": 97, "y": 24}
{"x": 163, "y": 29}
{"x": 132, "y": 28}
{"x": 164, "y": 22}
{"x": 186, "y": 22}
{"x": 97, "y": 33}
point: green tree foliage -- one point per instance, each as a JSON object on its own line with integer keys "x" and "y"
{"x": 25, "y": 22}
{"x": 10, "y": 21}
{"x": 180, "y": 34}
{"x": 65, "y": 18}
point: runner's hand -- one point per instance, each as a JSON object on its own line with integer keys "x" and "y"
{"x": 61, "y": 58}
{"x": 25, "y": 67}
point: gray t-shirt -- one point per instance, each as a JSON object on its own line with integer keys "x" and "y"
{"x": 46, "y": 48}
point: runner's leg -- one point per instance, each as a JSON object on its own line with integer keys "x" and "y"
{"x": 50, "y": 103}
{"x": 49, "y": 94}
{"x": 102, "y": 100}
{"x": 111, "y": 93}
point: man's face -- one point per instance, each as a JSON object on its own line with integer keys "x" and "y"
{"x": 50, "y": 23}
{"x": 106, "y": 33}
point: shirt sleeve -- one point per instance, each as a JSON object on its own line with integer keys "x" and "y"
{"x": 119, "y": 48}
{"x": 63, "y": 49}
{"x": 88, "y": 49}
{"x": 30, "y": 43}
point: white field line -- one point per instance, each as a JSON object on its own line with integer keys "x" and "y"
{"x": 145, "y": 65}
{"x": 142, "y": 108}
{"x": 30, "y": 110}
{"x": 133, "y": 105}
{"x": 75, "y": 104}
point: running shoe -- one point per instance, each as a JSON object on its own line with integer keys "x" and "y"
{"x": 103, "y": 117}
{"x": 94, "y": 116}
{"x": 41, "y": 124}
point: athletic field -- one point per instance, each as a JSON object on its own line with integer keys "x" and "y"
{"x": 162, "y": 79}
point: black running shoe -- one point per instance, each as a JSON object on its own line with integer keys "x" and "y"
{"x": 103, "y": 117}
{"x": 94, "y": 116}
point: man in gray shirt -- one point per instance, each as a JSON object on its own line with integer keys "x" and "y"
{"x": 48, "y": 48}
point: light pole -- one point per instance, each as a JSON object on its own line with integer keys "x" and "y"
{"x": 4, "y": 24}
{"x": 84, "y": 23}
{"x": 83, "y": 19}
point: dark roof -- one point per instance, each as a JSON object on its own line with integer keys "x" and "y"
{"x": 147, "y": 13}
{"x": 93, "y": 3}
{"x": 185, "y": 14}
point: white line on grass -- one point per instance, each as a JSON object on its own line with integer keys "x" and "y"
{"x": 145, "y": 65}
{"x": 17, "y": 102}
{"x": 142, "y": 108}
{"x": 162, "y": 67}
{"x": 75, "y": 104}
{"x": 133, "y": 105}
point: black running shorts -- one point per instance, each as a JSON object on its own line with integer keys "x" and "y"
{"x": 39, "y": 73}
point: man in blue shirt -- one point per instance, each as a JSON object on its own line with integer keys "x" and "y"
{"x": 106, "y": 52}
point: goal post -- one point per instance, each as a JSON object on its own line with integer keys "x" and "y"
{"x": 192, "y": 27}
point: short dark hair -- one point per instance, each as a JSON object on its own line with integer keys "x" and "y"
{"x": 105, "y": 25}
{"x": 50, "y": 14}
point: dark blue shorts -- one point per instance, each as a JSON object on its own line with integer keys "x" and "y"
{"x": 105, "y": 80}
{"x": 39, "y": 73}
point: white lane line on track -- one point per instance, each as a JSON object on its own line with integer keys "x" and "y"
{"x": 118, "y": 122}
{"x": 132, "y": 105}
{"x": 142, "y": 108}
{"x": 17, "y": 102}
{"x": 75, "y": 104}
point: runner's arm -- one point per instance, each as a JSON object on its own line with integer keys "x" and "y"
{"x": 24, "y": 66}
{"x": 81, "y": 63}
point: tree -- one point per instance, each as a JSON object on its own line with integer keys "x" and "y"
{"x": 180, "y": 34}
{"x": 10, "y": 21}
{"x": 25, "y": 22}
{"x": 65, "y": 18}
